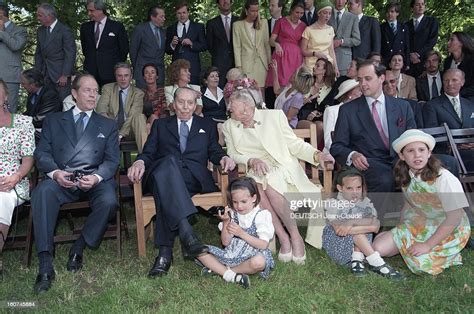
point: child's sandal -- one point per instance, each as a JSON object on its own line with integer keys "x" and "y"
{"x": 243, "y": 280}
{"x": 387, "y": 271}
{"x": 357, "y": 268}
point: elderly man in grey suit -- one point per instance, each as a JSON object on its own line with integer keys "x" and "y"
{"x": 55, "y": 53}
{"x": 346, "y": 28}
{"x": 12, "y": 41}
{"x": 75, "y": 140}
{"x": 147, "y": 45}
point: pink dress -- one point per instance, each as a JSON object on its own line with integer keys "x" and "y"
{"x": 289, "y": 40}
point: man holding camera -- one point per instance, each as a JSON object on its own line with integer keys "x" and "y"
{"x": 186, "y": 40}
{"x": 79, "y": 155}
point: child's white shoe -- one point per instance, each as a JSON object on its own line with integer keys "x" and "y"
{"x": 358, "y": 269}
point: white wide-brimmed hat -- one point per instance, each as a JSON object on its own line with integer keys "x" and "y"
{"x": 346, "y": 86}
{"x": 413, "y": 135}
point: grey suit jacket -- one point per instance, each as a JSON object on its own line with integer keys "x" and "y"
{"x": 144, "y": 49}
{"x": 97, "y": 152}
{"x": 55, "y": 53}
{"x": 348, "y": 31}
{"x": 12, "y": 41}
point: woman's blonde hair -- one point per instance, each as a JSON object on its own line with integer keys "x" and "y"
{"x": 303, "y": 80}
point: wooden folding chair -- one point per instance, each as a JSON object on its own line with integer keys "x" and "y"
{"x": 145, "y": 206}
{"x": 457, "y": 138}
{"x": 113, "y": 231}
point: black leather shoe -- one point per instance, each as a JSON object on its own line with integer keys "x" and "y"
{"x": 74, "y": 264}
{"x": 160, "y": 267}
{"x": 43, "y": 282}
{"x": 192, "y": 247}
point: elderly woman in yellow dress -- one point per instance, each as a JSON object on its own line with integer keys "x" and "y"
{"x": 265, "y": 143}
{"x": 17, "y": 143}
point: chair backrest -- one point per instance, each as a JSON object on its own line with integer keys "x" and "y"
{"x": 439, "y": 133}
{"x": 458, "y": 137}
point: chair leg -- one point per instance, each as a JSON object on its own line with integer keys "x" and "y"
{"x": 118, "y": 230}
{"x": 29, "y": 240}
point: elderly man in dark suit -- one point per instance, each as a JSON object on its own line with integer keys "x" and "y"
{"x": 367, "y": 126}
{"x": 104, "y": 43}
{"x": 147, "y": 45}
{"x": 219, "y": 39}
{"x": 347, "y": 34}
{"x": 369, "y": 28}
{"x": 186, "y": 39}
{"x": 394, "y": 35}
{"x": 429, "y": 85}
{"x": 75, "y": 140}
{"x": 12, "y": 42}
{"x": 55, "y": 53}
{"x": 423, "y": 35}
{"x": 174, "y": 160}
{"x": 42, "y": 99}
{"x": 450, "y": 107}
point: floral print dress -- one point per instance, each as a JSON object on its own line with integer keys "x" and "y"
{"x": 429, "y": 202}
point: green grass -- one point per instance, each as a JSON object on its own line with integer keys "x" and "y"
{"x": 108, "y": 284}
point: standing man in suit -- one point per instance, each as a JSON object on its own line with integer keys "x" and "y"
{"x": 429, "y": 85}
{"x": 42, "y": 99}
{"x": 186, "y": 40}
{"x": 276, "y": 8}
{"x": 122, "y": 102}
{"x": 367, "y": 126}
{"x": 309, "y": 16}
{"x": 346, "y": 28}
{"x": 423, "y": 34}
{"x": 55, "y": 53}
{"x": 395, "y": 37}
{"x": 219, "y": 39}
{"x": 147, "y": 45}
{"x": 104, "y": 43}
{"x": 174, "y": 160}
{"x": 369, "y": 28}
{"x": 75, "y": 140}
{"x": 12, "y": 42}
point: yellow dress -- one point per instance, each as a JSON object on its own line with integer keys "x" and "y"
{"x": 319, "y": 40}
{"x": 273, "y": 141}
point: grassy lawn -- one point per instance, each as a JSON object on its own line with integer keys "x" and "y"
{"x": 108, "y": 284}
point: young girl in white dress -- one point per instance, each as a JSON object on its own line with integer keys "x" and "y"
{"x": 246, "y": 230}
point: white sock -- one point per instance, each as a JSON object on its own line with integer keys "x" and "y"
{"x": 375, "y": 260}
{"x": 229, "y": 275}
{"x": 358, "y": 256}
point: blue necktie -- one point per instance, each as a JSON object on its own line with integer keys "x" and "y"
{"x": 80, "y": 126}
{"x": 183, "y": 135}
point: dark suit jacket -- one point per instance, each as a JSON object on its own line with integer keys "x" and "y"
{"x": 370, "y": 37}
{"x": 304, "y": 18}
{"x": 423, "y": 39}
{"x": 222, "y": 51}
{"x": 440, "y": 110}
{"x": 201, "y": 147}
{"x": 467, "y": 66}
{"x": 196, "y": 34}
{"x": 391, "y": 44}
{"x": 355, "y": 129}
{"x": 46, "y": 103}
{"x": 144, "y": 49}
{"x": 55, "y": 53}
{"x": 97, "y": 152}
{"x": 422, "y": 88}
{"x": 113, "y": 48}
{"x": 417, "y": 109}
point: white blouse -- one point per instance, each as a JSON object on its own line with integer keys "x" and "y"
{"x": 263, "y": 222}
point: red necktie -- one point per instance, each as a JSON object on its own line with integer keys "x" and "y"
{"x": 378, "y": 123}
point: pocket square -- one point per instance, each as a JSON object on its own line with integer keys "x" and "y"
{"x": 111, "y": 34}
{"x": 101, "y": 135}
{"x": 202, "y": 131}
{"x": 472, "y": 115}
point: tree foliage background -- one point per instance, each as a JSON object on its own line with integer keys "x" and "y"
{"x": 453, "y": 15}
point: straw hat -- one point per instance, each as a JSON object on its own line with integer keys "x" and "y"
{"x": 413, "y": 135}
{"x": 346, "y": 86}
